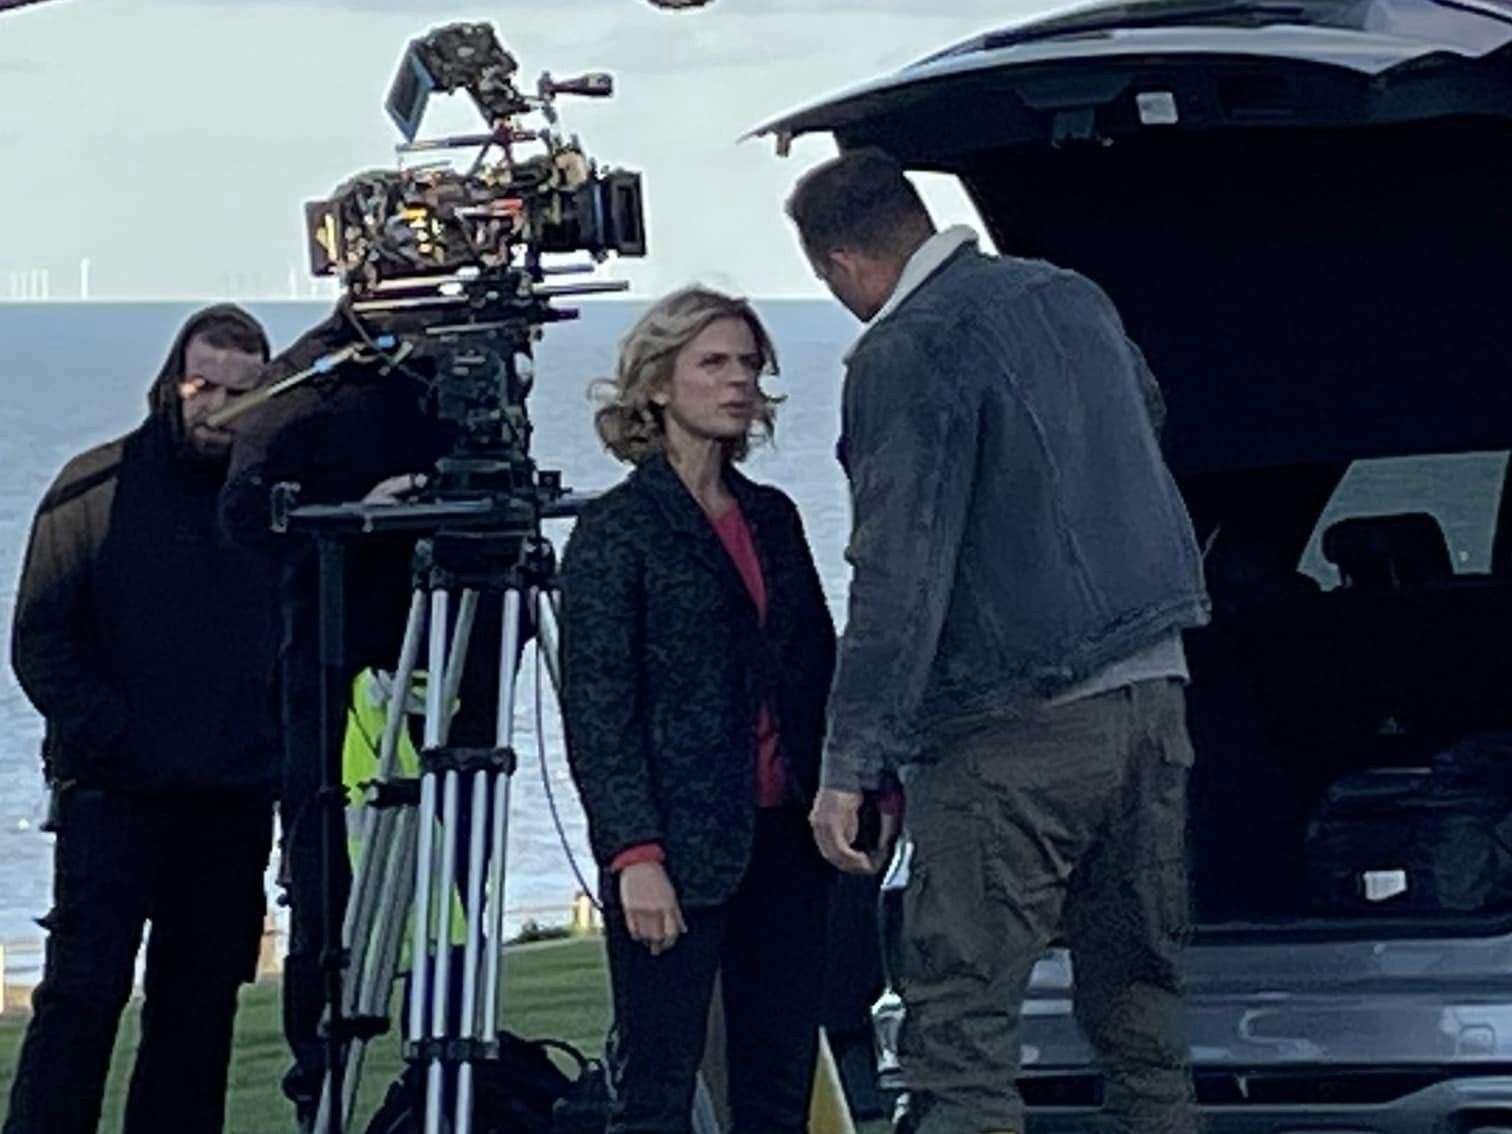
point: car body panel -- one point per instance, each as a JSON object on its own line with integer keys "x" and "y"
{"x": 1398, "y": 32}
{"x": 1312, "y": 253}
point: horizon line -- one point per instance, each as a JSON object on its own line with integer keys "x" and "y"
{"x": 63, "y": 300}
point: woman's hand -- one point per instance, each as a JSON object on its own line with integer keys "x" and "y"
{"x": 650, "y": 904}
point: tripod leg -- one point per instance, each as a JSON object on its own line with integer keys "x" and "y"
{"x": 426, "y": 823}
{"x": 461, "y": 638}
{"x": 378, "y": 980}
{"x": 548, "y": 623}
{"x": 442, "y": 978}
{"x": 365, "y": 897}
{"x": 376, "y": 834}
{"x": 498, "y": 797}
{"x": 399, "y": 892}
{"x": 394, "y": 711}
{"x": 482, "y": 786}
{"x": 359, "y": 913}
{"x": 492, "y": 1006}
{"x": 376, "y": 862}
{"x": 380, "y": 861}
{"x": 441, "y": 982}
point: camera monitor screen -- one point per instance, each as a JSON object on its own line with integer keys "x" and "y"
{"x": 407, "y": 97}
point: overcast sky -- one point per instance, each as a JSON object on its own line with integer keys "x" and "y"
{"x": 173, "y": 141}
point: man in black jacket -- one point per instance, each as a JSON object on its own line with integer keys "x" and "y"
{"x": 148, "y": 647}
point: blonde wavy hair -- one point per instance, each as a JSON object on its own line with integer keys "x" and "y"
{"x": 629, "y": 423}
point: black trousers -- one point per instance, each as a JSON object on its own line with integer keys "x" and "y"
{"x": 193, "y": 867}
{"x": 303, "y": 857}
{"x": 767, "y": 944}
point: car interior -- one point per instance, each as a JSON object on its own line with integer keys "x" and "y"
{"x": 1362, "y": 636}
{"x": 1325, "y": 312}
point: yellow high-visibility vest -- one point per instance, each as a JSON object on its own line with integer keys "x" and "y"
{"x": 367, "y": 712}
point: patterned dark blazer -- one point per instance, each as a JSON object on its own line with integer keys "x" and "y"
{"x": 664, "y": 666}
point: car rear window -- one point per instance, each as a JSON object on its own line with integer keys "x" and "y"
{"x": 1462, "y": 491}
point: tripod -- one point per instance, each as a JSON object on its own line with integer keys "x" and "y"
{"x": 408, "y": 862}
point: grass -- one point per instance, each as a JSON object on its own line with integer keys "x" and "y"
{"x": 556, "y": 990}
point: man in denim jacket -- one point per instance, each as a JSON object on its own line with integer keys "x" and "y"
{"x": 1023, "y": 567}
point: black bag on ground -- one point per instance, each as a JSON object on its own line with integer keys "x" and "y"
{"x": 1416, "y": 840}
{"x": 517, "y": 1093}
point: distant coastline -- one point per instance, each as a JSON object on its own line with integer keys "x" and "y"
{"x": 326, "y": 301}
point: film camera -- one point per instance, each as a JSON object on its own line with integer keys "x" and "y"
{"x": 393, "y": 225}
{"x": 443, "y": 266}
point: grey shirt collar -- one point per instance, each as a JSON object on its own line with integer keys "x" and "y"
{"x": 925, "y": 261}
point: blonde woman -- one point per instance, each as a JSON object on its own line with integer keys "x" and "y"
{"x": 697, "y": 655}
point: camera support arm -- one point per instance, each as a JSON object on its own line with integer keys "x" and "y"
{"x": 355, "y": 353}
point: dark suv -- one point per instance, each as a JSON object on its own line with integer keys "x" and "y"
{"x": 1304, "y": 212}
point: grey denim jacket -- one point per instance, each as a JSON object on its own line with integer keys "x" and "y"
{"x": 1015, "y": 528}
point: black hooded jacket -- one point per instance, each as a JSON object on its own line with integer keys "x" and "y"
{"x": 336, "y": 438}
{"x": 147, "y": 644}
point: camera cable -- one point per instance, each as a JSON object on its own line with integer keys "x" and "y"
{"x": 556, "y": 815}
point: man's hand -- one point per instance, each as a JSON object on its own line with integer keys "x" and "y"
{"x": 836, "y": 819}
{"x": 650, "y": 904}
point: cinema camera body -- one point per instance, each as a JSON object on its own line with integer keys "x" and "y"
{"x": 442, "y": 266}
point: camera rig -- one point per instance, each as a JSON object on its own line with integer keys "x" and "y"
{"x": 436, "y": 220}
{"x": 444, "y": 285}
{"x": 444, "y": 280}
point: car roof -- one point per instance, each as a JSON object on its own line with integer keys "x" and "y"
{"x": 1368, "y": 37}
{"x": 1296, "y": 207}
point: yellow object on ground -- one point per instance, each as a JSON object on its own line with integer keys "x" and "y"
{"x": 829, "y": 1113}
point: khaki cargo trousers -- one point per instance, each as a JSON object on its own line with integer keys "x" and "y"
{"x": 1067, "y": 824}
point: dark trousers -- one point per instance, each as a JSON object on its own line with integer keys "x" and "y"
{"x": 767, "y": 944}
{"x": 853, "y": 980}
{"x": 1070, "y": 823}
{"x": 304, "y": 862}
{"x": 193, "y": 867}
